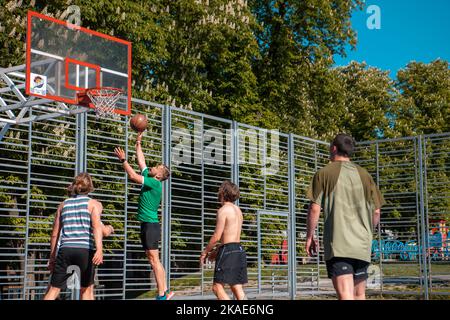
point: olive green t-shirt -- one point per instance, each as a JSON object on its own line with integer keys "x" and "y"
{"x": 149, "y": 198}
{"x": 348, "y": 196}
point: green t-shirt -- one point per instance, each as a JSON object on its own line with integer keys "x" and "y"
{"x": 149, "y": 198}
{"x": 348, "y": 196}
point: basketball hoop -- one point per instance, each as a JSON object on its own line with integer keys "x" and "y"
{"x": 104, "y": 100}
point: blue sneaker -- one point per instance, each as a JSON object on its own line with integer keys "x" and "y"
{"x": 167, "y": 295}
{"x": 163, "y": 297}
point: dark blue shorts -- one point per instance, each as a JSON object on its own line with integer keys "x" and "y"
{"x": 231, "y": 265}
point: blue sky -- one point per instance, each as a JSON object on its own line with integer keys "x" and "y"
{"x": 411, "y": 30}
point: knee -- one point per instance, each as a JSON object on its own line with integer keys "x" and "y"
{"x": 153, "y": 259}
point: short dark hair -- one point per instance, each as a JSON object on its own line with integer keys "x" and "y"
{"x": 228, "y": 191}
{"x": 345, "y": 144}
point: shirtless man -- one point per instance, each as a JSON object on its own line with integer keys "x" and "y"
{"x": 231, "y": 263}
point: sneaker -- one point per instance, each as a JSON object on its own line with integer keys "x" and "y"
{"x": 169, "y": 294}
{"x": 164, "y": 297}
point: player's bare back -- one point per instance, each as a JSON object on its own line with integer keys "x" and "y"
{"x": 233, "y": 223}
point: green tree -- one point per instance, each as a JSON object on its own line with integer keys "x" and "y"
{"x": 293, "y": 36}
{"x": 424, "y": 106}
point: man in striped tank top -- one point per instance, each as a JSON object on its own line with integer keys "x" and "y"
{"x": 149, "y": 200}
{"x": 80, "y": 232}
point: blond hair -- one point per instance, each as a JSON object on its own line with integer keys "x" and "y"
{"x": 166, "y": 172}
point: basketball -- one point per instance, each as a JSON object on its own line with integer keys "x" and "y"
{"x": 139, "y": 122}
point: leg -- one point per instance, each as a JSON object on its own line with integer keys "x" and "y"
{"x": 87, "y": 293}
{"x": 238, "y": 291}
{"x": 360, "y": 289}
{"x": 344, "y": 286}
{"x": 52, "y": 293}
{"x": 158, "y": 269}
{"x": 219, "y": 291}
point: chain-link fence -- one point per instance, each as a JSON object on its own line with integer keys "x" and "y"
{"x": 38, "y": 160}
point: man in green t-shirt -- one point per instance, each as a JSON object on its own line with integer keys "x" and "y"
{"x": 147, "y": 214}
{"x": 351, "y": 205}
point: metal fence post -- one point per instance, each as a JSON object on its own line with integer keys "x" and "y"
{"x": 422, "y": 219}
{"x": 258, "y": 231}
{"x": 167, "y": 146}
{"x": 235, "y": 154}
{"x": 81, "y": 124}
{"x": 292, "y": 256}
{"x": 317, "y": 231}
{"x": 377, "y": 163}
{"x": 27, "y": 224}
{"x": 418, "y": 172}
{"x": 125, "y": 228}
{"x": 202, "y": 144}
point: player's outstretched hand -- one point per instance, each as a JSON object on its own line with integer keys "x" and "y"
{"x": 139, "y": 136}
{"x": 119, "y": 153}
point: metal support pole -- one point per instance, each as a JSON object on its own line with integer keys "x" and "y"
{"x": 258, "y": 232}
{"x": 426, "y": 217}
{"x": 235, "y": 153}
{"x": 316, "y": 167}
{"x": 81, "y": 123}
{"x": 292, "y": 256}
{"x": 125, "y": 228}
{"x": 422, "y": 220}
{"x": 417, "y": 172}
{"x": 167, "y": 146}
{"x": 264, "y": 159}
{"x": 4, "y": 130}
{"x": 27, "y": 225}
{"x": 203, "y": 195}
{"x": 377, "y": 163}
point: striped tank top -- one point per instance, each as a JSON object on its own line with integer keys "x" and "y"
{"x": 76, "y": 230}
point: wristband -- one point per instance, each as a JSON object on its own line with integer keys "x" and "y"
{"x": 123, "y": 160}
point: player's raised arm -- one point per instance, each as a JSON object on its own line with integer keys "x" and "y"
{"x": 131, "y": 173}
{"x": 139, "y": 154}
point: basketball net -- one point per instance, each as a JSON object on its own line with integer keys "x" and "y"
{"x": 104, "y": 100}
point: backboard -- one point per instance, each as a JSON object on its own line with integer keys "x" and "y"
{"x": 64, "y": 59}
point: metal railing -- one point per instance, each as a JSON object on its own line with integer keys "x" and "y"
{"x": 38, "y": 160}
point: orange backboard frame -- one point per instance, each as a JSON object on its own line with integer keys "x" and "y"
{"x": 68, "y": 60}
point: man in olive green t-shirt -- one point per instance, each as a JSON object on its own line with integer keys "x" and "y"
{"x": 147, "y": 214}
{"x": 351, "y": 205}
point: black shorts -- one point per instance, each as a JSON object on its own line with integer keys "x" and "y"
{"x": 150, "y": 235}
{"x": 339, "y": 266}
{"x": 231, "y": 265}
{"x": 73, "y": 256}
